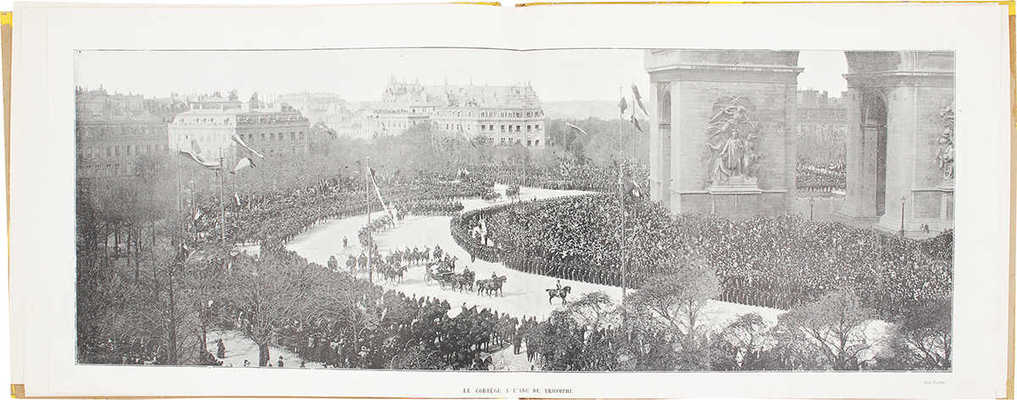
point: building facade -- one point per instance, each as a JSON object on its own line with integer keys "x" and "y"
{"x": 276, "y": 131}
{"x": 113, "y": 131}
{"x": 500, "y": 115}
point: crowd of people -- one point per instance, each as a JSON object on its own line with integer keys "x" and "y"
{"x": 820, "y": 178}
{"x": 281, "y": 215}
{"x": 775, "y": 262}
{"x": 407, "y": 332}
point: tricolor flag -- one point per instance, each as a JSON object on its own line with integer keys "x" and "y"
{"x": 576, "y": 128}
{"x": 622, "y": 106}
{"x": 243, "y": 163}
{"x": 236, "y": 138}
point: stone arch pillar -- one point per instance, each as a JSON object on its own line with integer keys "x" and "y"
{"x": 915, "y": 88}
{"x": 713, "y": 94}
{"x": 660, "y": 139}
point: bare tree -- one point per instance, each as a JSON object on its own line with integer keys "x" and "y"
{"x": 676, "y": 301}
{"x": 834, "y": 327}
{"x": 747, "y": 334}
{"x": 269, "y": 292}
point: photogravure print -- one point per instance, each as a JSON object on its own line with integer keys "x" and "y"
{"x": 479, "y": 209}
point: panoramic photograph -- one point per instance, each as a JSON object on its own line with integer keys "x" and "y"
{"x": 580, "y": 210}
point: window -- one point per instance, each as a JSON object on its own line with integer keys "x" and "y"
{"x": 528, "y": 128}
{"x": 529, "y": 143}
{"x": 536, "y": 127}
{"x": 536, "y": 142}
{"x": 519, "y": 128}
{"x": 503, "y": 128}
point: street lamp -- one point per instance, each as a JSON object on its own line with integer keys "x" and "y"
{"x": 812, "y": 207}
{"x": 902, "y": 199}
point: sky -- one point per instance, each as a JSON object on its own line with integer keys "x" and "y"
{"x": 362, "y": 74}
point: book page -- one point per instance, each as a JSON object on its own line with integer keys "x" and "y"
{"x": 537, "y": 201}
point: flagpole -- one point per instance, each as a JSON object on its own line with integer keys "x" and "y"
{"x": 621, "y": 206}
{"x": 222, "y": 206}
{"x": 367, "y": 196}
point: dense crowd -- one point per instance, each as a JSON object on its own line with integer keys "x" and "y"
{"x": 407, "y": 332}
{"x": 821, "y": 178}
{"x": 279, "y": 216}
{"x": 370, "y": 327}
{"x": 775, "y": 262}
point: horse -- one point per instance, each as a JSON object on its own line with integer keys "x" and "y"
{"x": 512, "y": 192}
{"x": 465, "y": 279}
{"x": 395, "y": 271}
{"x": 351, "y": 264}
{"x": 491, "y": 286}
{"x": 552, "y": 293}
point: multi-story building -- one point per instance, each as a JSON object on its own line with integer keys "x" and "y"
{"x": 114, "y": 130}
{"x": 502, "y": 115}
{"x": 272, "y": 131}
{"x": 822, "y": 127}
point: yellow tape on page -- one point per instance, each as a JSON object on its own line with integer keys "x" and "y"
{"x": 6, "y": 16}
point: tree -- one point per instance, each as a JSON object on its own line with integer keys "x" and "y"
{"x": 269, "y": 292}
{"x": 746, "y": 337}
{"x": 676, "y": 300}
{"x": 922, "y": 338}
{"x": 833, "y": 328}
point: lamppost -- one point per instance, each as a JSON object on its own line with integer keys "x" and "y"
{"x": 812, "y": 207}
{"x": 902, "y": 200}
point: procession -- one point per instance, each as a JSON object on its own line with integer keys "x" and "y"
{"x": 465, "y": 227}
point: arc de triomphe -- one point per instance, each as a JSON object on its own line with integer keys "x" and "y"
{"x": 723, "y": 134}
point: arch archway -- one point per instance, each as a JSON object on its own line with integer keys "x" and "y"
{"x": 894, "y": 179}
{"x": 894, "y": 98}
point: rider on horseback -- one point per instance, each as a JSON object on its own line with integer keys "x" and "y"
{"x": 558, "y": 284}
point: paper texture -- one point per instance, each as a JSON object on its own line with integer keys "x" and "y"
{"x": 547, "y": 201}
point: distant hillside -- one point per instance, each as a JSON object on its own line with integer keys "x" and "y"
{"x": 581, "y": 109}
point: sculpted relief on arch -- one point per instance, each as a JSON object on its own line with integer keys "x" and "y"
{"x": 732, "y": 138}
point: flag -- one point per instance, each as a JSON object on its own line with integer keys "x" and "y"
{"x": 236, "y": 138}
{"x": 630, "y": 188}
{"x": 236, "y": 198}
{"x": 635, "y": 122}
{"x": 243, "y": 163}
{"x": 194, "y": 154}
{"x": 576, "y": 128}
{"x": 197, "y": 213}
{"x": 638, "y": 100}
{"x": 622, "y": 106}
